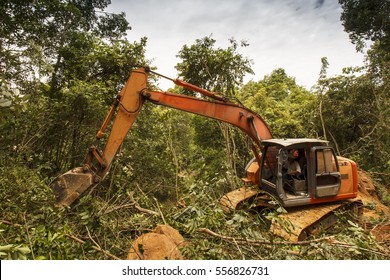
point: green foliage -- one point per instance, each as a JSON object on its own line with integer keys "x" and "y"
{"x": 59, "y": 73}
{"x": 219, "y": 70}
{"x": 156, "y": 153}
{"x": 83, "y": 56}
{"x": 202, "y": 209}
{"x": 13, "y": 252}
{"x": 216, "y": 69}
{"x": 367, "y": 20}
{"x": 287, "y": 108}
{"x": 356, "y": 117}
{"x": 29, "y": 223}
{"x": 61, "y": 31}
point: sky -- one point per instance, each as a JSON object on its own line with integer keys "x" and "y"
{"x": 289, "y": 34}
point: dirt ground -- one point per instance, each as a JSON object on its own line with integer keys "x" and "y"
{"x": 376, "y": 215}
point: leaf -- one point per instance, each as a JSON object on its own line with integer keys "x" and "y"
{"x": 53, "y": 237}
{"x": 7, "y": 247}
{"x": 229, "y": 222}
{"x": 23, "y": 250}
{"x": 352, "y": 224}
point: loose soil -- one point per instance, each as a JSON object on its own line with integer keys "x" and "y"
{"x": 376, "y": 215}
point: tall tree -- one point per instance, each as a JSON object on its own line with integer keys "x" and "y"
{"x": 367, "y": 20}
{"x": 364, "y": 132}
{"x": 62, "y": 31}
{"x": 286, "y": 107}
{"x": 66, "y": 62}
{"x": 212, "y": 68}
{"x": 220, "y": 70}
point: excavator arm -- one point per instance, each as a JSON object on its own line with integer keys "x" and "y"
{"x": 126, "y": 107}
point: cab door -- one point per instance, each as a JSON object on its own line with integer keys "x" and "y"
{"x": 327, "y": 177}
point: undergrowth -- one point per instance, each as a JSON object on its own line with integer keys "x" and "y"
{"x": 101, "y": 226}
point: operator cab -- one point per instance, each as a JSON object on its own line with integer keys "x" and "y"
{"x": 299, "y": 171}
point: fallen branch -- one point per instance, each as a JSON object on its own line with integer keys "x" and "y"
{"x": 9, "y": 223}
{"x": 115, "y": 209}
{"x": 346, "y": 245}
{"x": 97, "y": 248}
{"x": 139, "y": 208}
{"x": 236, "y": 241}
{"x": 329, "y": 240}
{"x": 160, "y": 212}
{"x": 262, "y": 242}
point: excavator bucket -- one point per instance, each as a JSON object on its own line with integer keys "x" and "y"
{"x": 70, "y": 185}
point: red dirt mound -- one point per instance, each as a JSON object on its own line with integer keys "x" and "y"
{"x": 374, "y": 209}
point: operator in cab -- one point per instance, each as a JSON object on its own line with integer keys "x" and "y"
{"x": 292, "y": 164}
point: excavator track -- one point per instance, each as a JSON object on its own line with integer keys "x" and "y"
{"x": 236, "y": 199}
{"x": 299, "y": 222}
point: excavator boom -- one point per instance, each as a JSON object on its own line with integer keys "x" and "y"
{"x": 127, "y": 104}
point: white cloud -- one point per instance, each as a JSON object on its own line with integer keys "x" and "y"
{"x": 290, "y": 34}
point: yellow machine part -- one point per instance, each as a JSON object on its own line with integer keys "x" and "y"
{"x": 235, "y": 199}
{"x": 299, "y": 223}
{"x": 296, "y": 225}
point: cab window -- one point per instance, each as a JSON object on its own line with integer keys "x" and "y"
{"x": 327, "y": 177}
{"x": 270, "y": 165}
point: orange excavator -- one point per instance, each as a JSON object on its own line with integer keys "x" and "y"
{"x": 320, "y": 184}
